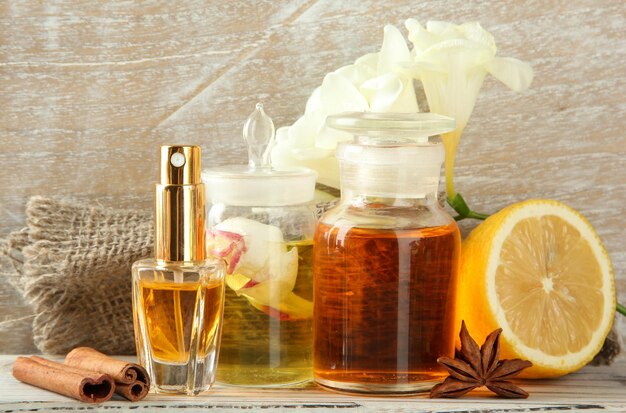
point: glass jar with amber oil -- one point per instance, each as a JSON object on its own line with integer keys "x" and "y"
{"x": 385, "y": 259}
{"x": 261, "y": 222}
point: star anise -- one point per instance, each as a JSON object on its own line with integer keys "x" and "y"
{"x": 475, "y": 367}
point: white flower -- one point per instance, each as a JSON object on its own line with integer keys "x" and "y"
{"x": 375, "y": 82}
{"x": 260, "y": 268}
{"x": 451, "y": 61}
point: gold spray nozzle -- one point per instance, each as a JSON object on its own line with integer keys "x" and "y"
{"x": 179, "y": 213}
{"x": 180, "y": 165}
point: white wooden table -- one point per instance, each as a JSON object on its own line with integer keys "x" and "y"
{"x": 594, "y": 389}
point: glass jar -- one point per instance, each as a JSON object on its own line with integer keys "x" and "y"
{"x": 261, "y": 221}
{"x": 385, "y": 260}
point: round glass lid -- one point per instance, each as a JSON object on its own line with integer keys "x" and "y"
{"x": 418, "y": 126}
{"x": 258, "y": 183}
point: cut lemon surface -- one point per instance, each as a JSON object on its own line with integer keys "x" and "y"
{"x": 538, "y": 270}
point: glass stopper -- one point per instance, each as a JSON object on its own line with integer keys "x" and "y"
{"x": 258, "y": 133}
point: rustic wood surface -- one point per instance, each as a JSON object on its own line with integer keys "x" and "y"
{"x": 88, "y": 90}
{"x": 593, "y": 389}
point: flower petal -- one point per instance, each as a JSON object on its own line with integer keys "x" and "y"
{"x": 236, "y": 281}
{"x": 283, "y": 271}
{"x": 296, "y": 307}
{"x": 328, "y": 139}
{"x": 356, "y": 74}
{"x": 419, "y": 36}
{"x": 474, "y": 31}
{"x": 264, "y": 253}
{"x": 369, "y": 60}
{"x": 282, "y": 134}
{"x": 389, "y": 93}
{"x": 514, "y": 73}
{"x": 457, "y": 54}
{"x": 327, "y": 170}
{"x": 303, "y": 132}
{"x": 453, "y": 94}
{"x": 276, "y": 293}
{"x": 282, "y": 152}
{"x": 283, "y": 307}
{"x": 266, "y": 272}
{"x": 415, "y": 70}
{"x": 268, "y": 291}
{"x": 394, "y": 50}
{"x": 441, "y": 28}
{"x": 312, "y": 153}
{"x": 338, "y": 94}
{"x": 313, "y": 103}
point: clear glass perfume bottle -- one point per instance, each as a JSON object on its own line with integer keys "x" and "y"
{"x": 261, "y": 221}
{"x": 385, "y": 260}
{"x": 178, "y": 296}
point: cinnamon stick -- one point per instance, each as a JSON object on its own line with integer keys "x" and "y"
{"x": 79, "y": 384}
{"x": 134, "y": 391}
{"x": 132, "y": 381}
{"x": 121, "y": 371}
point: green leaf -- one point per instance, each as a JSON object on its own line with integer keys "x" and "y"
{"x": 459, "y": 205}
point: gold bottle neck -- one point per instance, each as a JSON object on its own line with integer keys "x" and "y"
{"x": 180, "y": 206}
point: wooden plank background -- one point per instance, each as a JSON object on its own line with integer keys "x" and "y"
{"x": 88, "y": 90}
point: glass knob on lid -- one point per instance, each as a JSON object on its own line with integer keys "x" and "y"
{"x": 258, "y": 183}
{"x": 258, "y": 133}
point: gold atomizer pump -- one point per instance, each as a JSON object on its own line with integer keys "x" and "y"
{"x": 180, "y": 207}
{"x": 178, "y": 296}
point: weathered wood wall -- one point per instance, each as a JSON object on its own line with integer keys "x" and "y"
{"x": 88, "y": 90}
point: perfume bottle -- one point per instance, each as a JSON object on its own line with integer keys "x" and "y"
{"x": 385, "y": 260}
{"x": 261, "y": 221}
{"x": 178, "y": 296}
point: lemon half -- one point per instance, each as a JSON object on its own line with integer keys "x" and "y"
{"x": 539, "y": 271}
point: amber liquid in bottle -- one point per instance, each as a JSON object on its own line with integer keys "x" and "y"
{"x": 384, "y": 306}
{"x": 177, "y": 311}
{"x": 171, "y": 310}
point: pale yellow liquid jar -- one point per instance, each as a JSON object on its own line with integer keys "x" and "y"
{"x": 261, "y": 222}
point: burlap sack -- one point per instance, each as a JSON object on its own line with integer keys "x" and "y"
{"x": 72, "y": 264}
